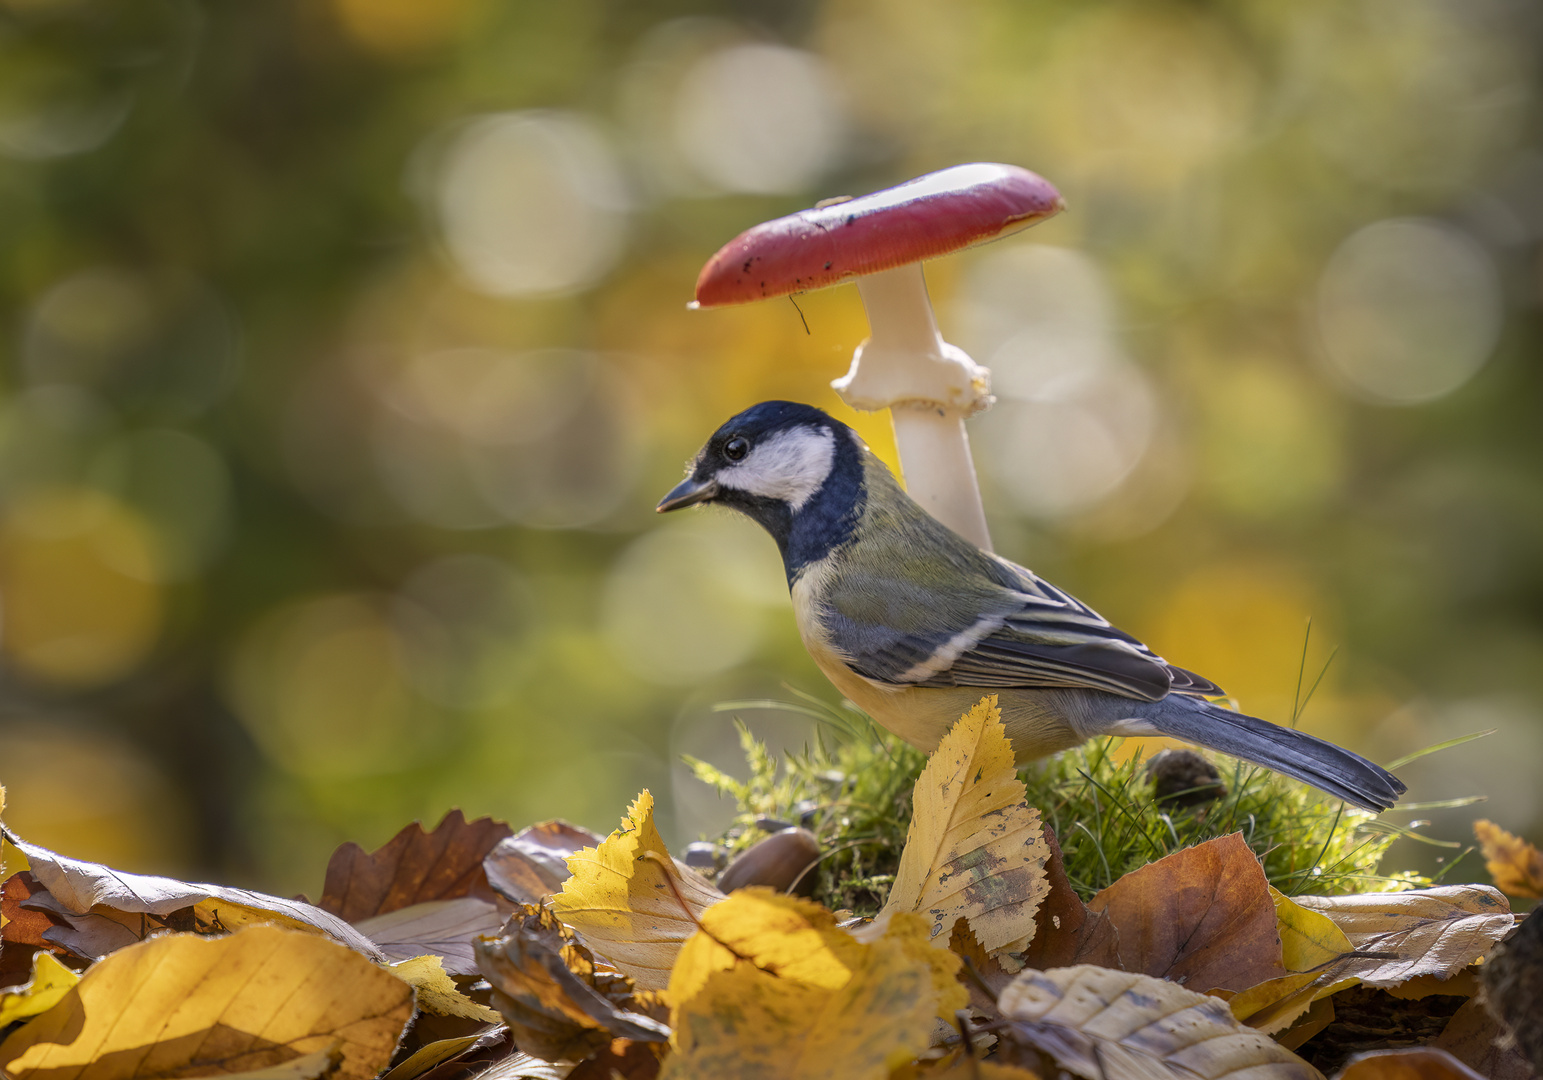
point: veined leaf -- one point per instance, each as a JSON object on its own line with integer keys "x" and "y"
{"x": 975, "y": 849}
{"x": 633, "y": 904}
{"x": 255, "y": 999}
{"x": 437, "y": 992}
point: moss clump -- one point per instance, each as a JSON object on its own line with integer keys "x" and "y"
{"x": 852, "y": 788}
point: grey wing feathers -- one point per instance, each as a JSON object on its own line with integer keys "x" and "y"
{"x": 1019, "y": 632}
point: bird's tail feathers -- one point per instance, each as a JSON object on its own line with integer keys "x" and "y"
{"x": 1322, "y": 764}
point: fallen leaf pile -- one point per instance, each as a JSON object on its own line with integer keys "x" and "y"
{"x": 474, "y": 952}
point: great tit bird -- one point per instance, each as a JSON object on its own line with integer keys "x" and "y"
{"x": 915, "y": 624}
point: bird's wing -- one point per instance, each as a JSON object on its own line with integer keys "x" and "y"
{"x": 1006, "y": 630}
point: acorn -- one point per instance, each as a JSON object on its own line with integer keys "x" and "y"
{"x": 784, "y": 861}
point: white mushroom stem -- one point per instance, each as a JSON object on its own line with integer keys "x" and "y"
{"x": 929, "y": 386}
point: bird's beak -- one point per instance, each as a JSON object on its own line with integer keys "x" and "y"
{"x": 688, "y": 492}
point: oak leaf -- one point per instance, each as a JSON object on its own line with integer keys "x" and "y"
{"x": 1201, "y": 917}
{"x": 1115, "y": 1025}
{"x": 531, "y": 865}
{"x": 632, "y": 903}
{"x": 974, "y": 849}
{"x": 1514, "y": 865}
{"x": 90, "y": 896}
{"x": 413, "y": 867}
{"x": 752, "y": 1022}
{"x": 184, "y": 1005}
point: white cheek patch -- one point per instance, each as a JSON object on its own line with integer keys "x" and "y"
{"x": 791, "y": 466}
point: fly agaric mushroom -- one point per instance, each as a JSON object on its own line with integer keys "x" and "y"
{"x": 928, "y": 385}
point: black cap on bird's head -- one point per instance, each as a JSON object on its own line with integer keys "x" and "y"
{"x": 775, "y": 462}
{"x": 774, "y": 450}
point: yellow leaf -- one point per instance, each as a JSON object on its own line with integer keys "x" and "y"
{"x": 184, "y": 1005}
{"x": 975, "y": 849}
{"x": 313, "y": 1066}
{"x": 1123, "y": 1026}
{"x": 431, "y": 1055}
{"x": 962, "y": 1067}
{"x": 749, "y": 1023}
{"x": 1515, "y": 865}
{"x": 437, "y": 991}
{"x": 50, "y": 981}
{"x": 632, "y": 903}
{"x": 1309, "y": 939}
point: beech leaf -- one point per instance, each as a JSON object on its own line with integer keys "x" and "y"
{"x": 1115, "y": 1025}
{"x": 974, "y": 849}
{"x": 1436, "y": 931}
{"x": 1515, "y": 865}
{"x": 633, "y": 904}
{"x": 1201, "y": 917}
{"x": 86, "y": 893}
{"x": 413, "y": 867}
{"x": 255, "y": 999}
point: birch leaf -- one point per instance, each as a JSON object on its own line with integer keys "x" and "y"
{"x": 437, "y": 991}
{"x": 974, "y": 850}
{"x": 632, "y": 903}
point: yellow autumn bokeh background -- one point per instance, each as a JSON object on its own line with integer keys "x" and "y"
{"x": 344, "y": 353}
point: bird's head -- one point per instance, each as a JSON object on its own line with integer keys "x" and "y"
{"x": 779, "y": 462}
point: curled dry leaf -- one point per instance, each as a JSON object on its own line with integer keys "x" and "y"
{"x": 974, "y": 849}
{"x": 1416, "y": 1063}
{"x": 90, "y": 896}
{"x": 1515, "y": 865}
{"x": 444, "y": 928}
{"x": 632, "y": 903}
{"x": 531, "y": 865}
{"x": 559, "y": 1005}
{"x": 255, "y": 999}
{"x": 1115, "y": 1025}
{"x": 1201, "y": 917}
{"x": 1066, "y": 931}
{"x": 23, "y": 928}
{"x": 412, "y": 868}
{"x": 432, "y": 1055}
{"x": 747, "y": 1020}
{"x": 1401, "y": 935}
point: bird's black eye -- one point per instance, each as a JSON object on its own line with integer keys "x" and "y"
{"x": 736, "y": 448}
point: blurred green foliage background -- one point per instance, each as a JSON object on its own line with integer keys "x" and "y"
{"x": 344, "y": 354}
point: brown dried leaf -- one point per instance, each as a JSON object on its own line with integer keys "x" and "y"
{"x": 412, "y": 868}
{"x": 444, "y": 928}
{"x": 24, "y": 928}
{"x": 1416, "y": 1063}
{"x": 79, "y": 889}
{"x": 1201, "y": 917}
{"x": 1066, "y": 931}
{"x": 462, "y": 1049}
{"x": 547, "y": 987}
{"x": 533, "y": 864}
{"x": 1401, "y": 935}
{"x": 1477, "y": 1039}
{"x": 1515, "y": 865}
{"x": 1115, "y": 1025}
{"x": 184, "y": 1005}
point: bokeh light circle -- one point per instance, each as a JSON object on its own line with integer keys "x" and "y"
{"x": 532, "y": 203}
{"x": 1408, "y": 310}
{"x": 760, "y": 119}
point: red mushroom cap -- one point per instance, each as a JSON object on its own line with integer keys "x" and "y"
{"x": 919, "y": 219}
